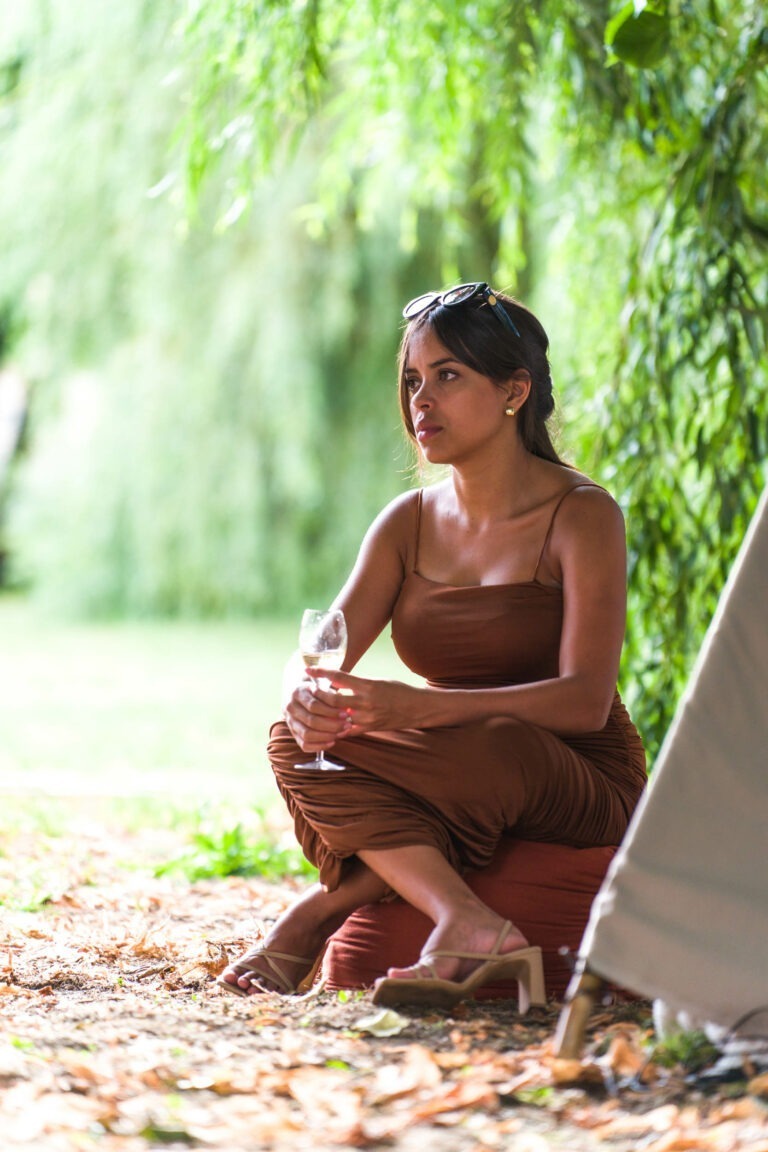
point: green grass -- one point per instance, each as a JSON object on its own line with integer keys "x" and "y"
{"x": 248, "y": 847}
{"x": 133, "y": 709}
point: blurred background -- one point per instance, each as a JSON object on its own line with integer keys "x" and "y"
{"x": 211, "y": 215}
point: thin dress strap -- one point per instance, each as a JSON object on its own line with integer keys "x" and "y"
{"x": 552, "y": 523}
{"x": 415, "y": 564}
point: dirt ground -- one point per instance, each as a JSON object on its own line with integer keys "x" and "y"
{"x": 115, "y": 1037}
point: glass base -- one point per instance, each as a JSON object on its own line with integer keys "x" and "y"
{"x": 321, "y": 764}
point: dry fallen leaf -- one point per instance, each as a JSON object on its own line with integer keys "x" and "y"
{"x": 744, "y": 1109}
{"x": 576, "y": 1072}
{"x": 323, "y": 1094}
{"x": 358, "y": 1135}
{"x": 758, "y": 1085}
{"x": 419, "y": 1070}
{"x": 14, "y": 990}
{"x": 385, "y": 1022}
{"x": 678, "y": 1141}
{"x": 108, "y": 1052}
{"x": 458, "y": 1097}
{"x": 624, "y": 1057}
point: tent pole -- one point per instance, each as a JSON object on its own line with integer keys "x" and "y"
{"x": 580, "y": 997}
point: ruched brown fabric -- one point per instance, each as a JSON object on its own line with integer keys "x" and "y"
{"x": 462, "y": 788}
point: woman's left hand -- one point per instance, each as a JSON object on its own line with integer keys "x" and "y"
{"x": 369, "y": 705}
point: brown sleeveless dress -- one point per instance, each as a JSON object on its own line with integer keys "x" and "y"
{"x": 461, "y": 788}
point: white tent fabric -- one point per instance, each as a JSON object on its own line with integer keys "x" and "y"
{"x": 683, "y": 913}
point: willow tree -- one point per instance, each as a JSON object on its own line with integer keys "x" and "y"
{"x": 204, "y": 395}
{"x": 644, "y": 128}
{"x": 605, "y": 163}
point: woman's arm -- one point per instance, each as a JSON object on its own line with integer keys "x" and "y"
{"x": 369, "y": 594}
{"x": 367, "y": 600}
{"x": 588, "y": 551}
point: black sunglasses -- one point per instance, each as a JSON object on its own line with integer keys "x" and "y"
{"x": 460, "y": 295}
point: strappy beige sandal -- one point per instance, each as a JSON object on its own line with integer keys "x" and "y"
{"x": 523, "y": 965}
{"x": 276, "y": 974}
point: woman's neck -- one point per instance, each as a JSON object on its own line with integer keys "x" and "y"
{"x": 496, "y": 491}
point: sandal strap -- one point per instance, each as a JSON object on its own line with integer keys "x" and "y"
{"x": 494, "y": 954}
{"x": 276, "y": 971}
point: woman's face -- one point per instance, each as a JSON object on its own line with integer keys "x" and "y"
{"x": 456, "y": 412}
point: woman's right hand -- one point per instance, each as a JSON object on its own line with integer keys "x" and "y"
{"x": 315, "y": 726}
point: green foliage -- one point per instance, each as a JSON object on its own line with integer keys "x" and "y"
{"x": 345, "y": 995}
{"x": 686, "y": 416}
{"x": 541, "y": 1097}
{"x": 218, "y": 850}
{"x": 640, "y": 34}
{"x": 194, "y": 414}
{"x": 669, "y": 104}
{"x": 22, "y": 1044}
{"x": 260, "y": 185}
{"x": 691, "y": 1050}
{"x": 402, "y": 83}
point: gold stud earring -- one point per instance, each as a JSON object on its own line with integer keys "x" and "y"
{"x": 509, "y": 411}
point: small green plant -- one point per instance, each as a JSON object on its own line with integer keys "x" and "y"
{"x": 237, "y": 850}
{"x": 346, "y": 995}
{"x": 156, "y": 1135}
{"x": 690, "y": 1050}
{"x": 22, "y": 1044}
{"x": 30, "y": 893}
{"x": 537, "y": 1097}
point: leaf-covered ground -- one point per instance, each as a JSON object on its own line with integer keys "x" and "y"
{"x": 115, "y": 1036}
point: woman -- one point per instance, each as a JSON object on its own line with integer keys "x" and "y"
{"x": 505, "y": 588}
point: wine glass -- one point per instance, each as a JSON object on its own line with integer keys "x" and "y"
{"x": 323, "y": 644}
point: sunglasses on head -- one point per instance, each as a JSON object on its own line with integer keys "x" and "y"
{"x": 460, "y": 295}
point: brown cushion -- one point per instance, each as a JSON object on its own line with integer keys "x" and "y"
{"x": 545, "y": 889}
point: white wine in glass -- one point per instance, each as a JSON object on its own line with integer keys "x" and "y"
{"x": 323, "y": 644}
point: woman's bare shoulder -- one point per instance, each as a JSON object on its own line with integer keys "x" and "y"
{"x": 396, "y": 521}
{"x": 402, "y": 508}
{"x": 560, "y": 481}
{"x": 588, "y": 508}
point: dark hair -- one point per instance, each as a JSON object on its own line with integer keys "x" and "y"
{"x": 480, "y": 340}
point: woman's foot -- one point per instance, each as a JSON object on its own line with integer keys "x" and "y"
{"x": 264, "y": 969}
{"x": 467, "y": 959}
{"x": 287, "y": 954}
{"x": 487, "y": 939}
{"x": 284, "y": 958}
